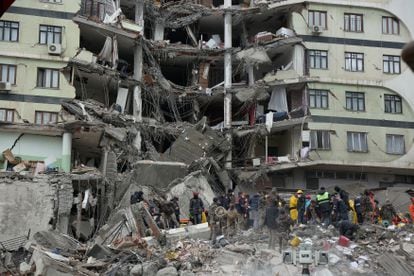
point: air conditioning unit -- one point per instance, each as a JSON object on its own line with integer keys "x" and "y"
{"x": 54, "y": 49}
{"x": 5, "y": 86}
{"x": 316, "y": 29}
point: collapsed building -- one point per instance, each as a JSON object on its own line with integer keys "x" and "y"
{"x": 157, "y": 94}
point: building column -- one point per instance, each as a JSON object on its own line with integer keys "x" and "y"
{"x": 66, "y": 151}
{"x": 228, "y": 81}
{"x": 159, "y": 32}
{"x": 137, "y": 95}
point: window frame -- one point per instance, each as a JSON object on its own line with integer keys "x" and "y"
{"x": 48, "y": 27}
{"x": 10, "y": 31}
{"x": 391, "y": 60}
{"x": 317, "y": 54}
{"x": 386, "y": 19}
{"x": 393, "y": 101}
{"x": 321, "y": 94}
{"x": 393, "y": 137}
{"x": 42, "y": 113}
{"x": 363, "y": 135}
{"x": 319, "y": 13}
{"x": 347, "y": 27}
{"x": 44, "y": 77}
{"x": 354, "y": 57}
{"x": 355, "y": 95}
{"x": 7, "y": 112}
{"x": 8, "y": 73}
{"x": 324, "y": 143}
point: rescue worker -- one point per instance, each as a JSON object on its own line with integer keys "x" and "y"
{"x": 271, "y": 216}
{"x": 213, "y": 220}
{"x": 323, "y": 199}
{"x": 411, "y": 209}
{"x": 388, "y": 212}
{"x": 368, "y": 206}
{"x": 196, "y": 208}
{"x": 232, "y": 217}
{"x": 301, "y": 207}
{"x": 293, "y": 205}
{"x": 341, "y": 209}
{"x": 283, "y": 227}
{"x": 348, "y": 229}
{"x": 344, "y": 196}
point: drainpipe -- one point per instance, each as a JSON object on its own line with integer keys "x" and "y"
{"x": 227, "y": 81}
{"x": 137, "y": 96}
{"x": 66, "y": 151}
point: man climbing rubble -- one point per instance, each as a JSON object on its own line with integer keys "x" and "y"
{"x": 283, "y": 227}
{"x": 271, "y": 216}
{"x": 196, "y": 208}
{"x": 388, "y": 213}
{"x": 348, "y": 229}
{"x": 324, "y": 206}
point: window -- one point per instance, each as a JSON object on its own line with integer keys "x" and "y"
{"x": 395, "y": 144}
{"x": 359, "y": 176}
{"x": 320, "y": 139}
{"x": 317, "y": 18}
{"x": 318, "y": 59}
{"x": 43, "y": 117}
{"x": 354, "y": 62}
{"x": 353, "y": 22}
{"x": 393, "y": 104}
{"x": 52, "y": 1}
{"x": 391, "y": 64}
{"x": 50, "y": 34}
{"x": 8, "y": 73}
{"x": 357, "y": 142}
{"x": 9, "y": 31}
{"x": 6, "y": 115}
{"x": 318, "y": 98}
{"x": 47, "y": 78}
{"x": 355, "y": 101}
{"x": 390, "y": 25}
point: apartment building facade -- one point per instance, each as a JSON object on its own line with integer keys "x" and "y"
{"x": 361, "y": 125}
{"x": 36, "y": 40}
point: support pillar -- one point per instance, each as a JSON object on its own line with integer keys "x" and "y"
{"x": 66, "y": 151}
{"x": 137, "y": 95}
{"x": 228, "y": 81}
{"x": 159, "y": 32}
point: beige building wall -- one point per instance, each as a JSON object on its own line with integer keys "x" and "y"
{"x": 29, "y": 55}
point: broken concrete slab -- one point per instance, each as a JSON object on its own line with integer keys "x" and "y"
{"x": 167, "y": 271}
{"x": 99, "y": 251}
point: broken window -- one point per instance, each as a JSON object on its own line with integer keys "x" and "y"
{"x": 318, "y": 59}
{"x": 393, "y": 104}
{"x": 395, "y": 144}
{"x": 390, "y": 25}
{"x": 317, "y": 18}
{"x": 50, "y": 34}
{"x": 391, "y": 64}
{"x": 318, "y": 98}
{"x": 8, "y": 73}
{"x": 353, "y": 22}
{"x": 355, "y": 101}
{"x": 357, "y": 141}
{"x": 44, "y": 117}
{"x": 47, "y": 78}
{"x": 320, "y": 139}
{"x": 6, "y": 115}
{"x": 354, "y": 62}
{"x": 9, "y": 31}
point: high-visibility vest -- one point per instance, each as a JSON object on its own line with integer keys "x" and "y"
{"x": 324, "y": 198}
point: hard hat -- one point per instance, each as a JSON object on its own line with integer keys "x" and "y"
{"x": 299, "y": 192}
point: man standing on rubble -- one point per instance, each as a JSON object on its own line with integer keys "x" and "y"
{"x": 271, "y": 216}
{"x": 388, "y": 213}
{"x": 324, "y": 205}
{"x": 358, "y": 209}
{"x": 344, "y": 196}
{"x": 301, "y": 207}
{"x": 283, "y": 227}
{"x": 196, "y": 208}
{"x": 368, "y": 206}
{"x": 213, "y": 220}
{"x": 411, "y": 209}
{"x": 232, "y": 217}
{"x": 254, "y": 210}
{"x": 174, "y": 200}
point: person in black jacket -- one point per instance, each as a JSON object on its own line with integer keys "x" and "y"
{"x": 341, "y": 209}
{"x": 272, "y": 213}
{"x": 196, "y": 208}
{"x": 301, "y": 207}
{"x": 344, "y": 196}
{"x": 358, "y": 209}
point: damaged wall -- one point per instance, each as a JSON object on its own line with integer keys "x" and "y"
{"x": 25, "y": 204}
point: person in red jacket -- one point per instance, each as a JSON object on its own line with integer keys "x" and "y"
{"x": 411, "y": 209}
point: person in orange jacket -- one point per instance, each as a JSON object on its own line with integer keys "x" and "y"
{"x": 411, "y": 209}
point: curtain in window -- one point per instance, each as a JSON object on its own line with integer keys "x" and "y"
{"x": 278, "y": 100}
